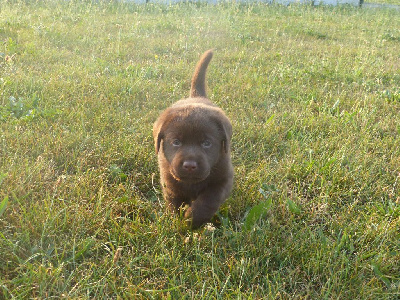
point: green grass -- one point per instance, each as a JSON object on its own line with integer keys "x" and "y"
{"x": 395, "y": 2}
{"x": 314, "y": 97}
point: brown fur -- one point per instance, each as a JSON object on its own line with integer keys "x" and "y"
{"x": 192, "y": 139}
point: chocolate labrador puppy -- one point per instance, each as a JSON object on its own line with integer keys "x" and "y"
{"x": 192, "y": 140}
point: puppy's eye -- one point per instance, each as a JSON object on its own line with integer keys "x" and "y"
{"x": 206, "y": 144}
{"x": 176, "y": 143}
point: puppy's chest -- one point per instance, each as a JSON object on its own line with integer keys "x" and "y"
{"x": 191, "y": 191}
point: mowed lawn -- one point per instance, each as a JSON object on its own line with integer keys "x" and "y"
{"x": 314, "y": 98}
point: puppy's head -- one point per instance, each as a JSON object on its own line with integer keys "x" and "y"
{"x": 192, "y": 139}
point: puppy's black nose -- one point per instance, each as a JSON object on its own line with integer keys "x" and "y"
{"x": 190, "y": 165}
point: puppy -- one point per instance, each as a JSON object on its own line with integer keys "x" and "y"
{"x": 192, "y": 140}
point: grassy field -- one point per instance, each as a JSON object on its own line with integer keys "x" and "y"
{"x": 395, "y": 2}
{"x": 314, "y": 97}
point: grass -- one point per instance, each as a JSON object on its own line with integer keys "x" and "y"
{"x": 395, "y": 2}
{"x": 313, "y": 95}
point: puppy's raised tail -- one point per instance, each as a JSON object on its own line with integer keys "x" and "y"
{"x": 198, "y": 88}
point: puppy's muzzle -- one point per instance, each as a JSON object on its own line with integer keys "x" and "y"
{"x": 190, "y": 170}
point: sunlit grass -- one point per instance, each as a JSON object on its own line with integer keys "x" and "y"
{"x": 313, "y": 95}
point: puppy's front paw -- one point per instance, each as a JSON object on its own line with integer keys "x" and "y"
{"x": 188, "y": 217}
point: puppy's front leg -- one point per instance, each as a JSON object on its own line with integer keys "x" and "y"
{"x": 174, "y": 202}
{"x": 205, "y": 206}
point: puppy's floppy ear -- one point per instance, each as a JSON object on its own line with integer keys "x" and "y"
{"x": 158, "y": 134}
{"x": 161, "y": 125}
{"x": 225, "y": 127}
{"x": 158, "y": 142}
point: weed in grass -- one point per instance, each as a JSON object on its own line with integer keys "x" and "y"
{"x": 3, "y": 205}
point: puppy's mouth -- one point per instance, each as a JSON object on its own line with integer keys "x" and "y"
{"x": 188, "y": 178}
